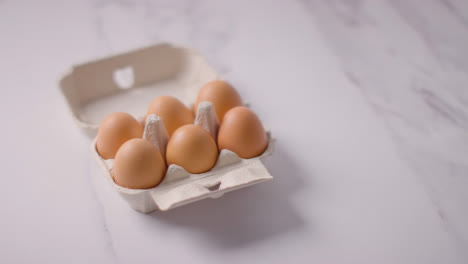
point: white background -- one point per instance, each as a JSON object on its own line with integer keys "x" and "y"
{"x": 368, "y": 102}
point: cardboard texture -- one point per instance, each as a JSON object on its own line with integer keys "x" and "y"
{"x": 128, "y": 83}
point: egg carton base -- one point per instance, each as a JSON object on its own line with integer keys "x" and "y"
{"x": 174, "y": 193}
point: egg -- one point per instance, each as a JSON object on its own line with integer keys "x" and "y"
{"x": 172, "y": 111}
{"x": 138, "y": 164}
{"x": 221, "y": 94}
{"x": 242, "y": 132}
{"x": 115, "y": 130}
{"x": 192, "y": 148}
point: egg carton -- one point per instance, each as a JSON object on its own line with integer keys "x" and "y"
{"x": 128, "y": 83}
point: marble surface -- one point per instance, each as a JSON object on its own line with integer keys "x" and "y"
{"x": 368, "y": 101}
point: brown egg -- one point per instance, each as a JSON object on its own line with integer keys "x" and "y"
{"x": 192, "y": 148}
{"x": 172, "y": 111}
{"x": 138, "y": 165}
{"x": 221, "y": 94}
{"x": 115, "y": 130}
{"x": 242, "y": 133}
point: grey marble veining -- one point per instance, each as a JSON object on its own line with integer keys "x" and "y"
{"x": 409, "y": 60}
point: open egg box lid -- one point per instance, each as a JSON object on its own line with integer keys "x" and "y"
{"x": 129, "y": 82}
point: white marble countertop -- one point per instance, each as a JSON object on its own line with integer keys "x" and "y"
{"x": 368, "y": 101}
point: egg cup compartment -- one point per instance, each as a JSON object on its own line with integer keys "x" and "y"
{"x": 128, "y": 83}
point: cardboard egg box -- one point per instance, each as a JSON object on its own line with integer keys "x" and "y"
{"x": 129, "y": 82}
